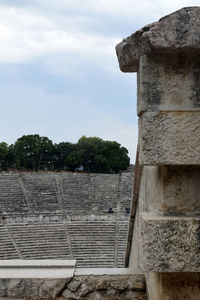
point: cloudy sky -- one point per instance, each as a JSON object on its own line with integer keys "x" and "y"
{"x": 59, "y": 75}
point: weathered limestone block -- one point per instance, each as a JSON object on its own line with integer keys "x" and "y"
{"x": 177, "y": 32}
{"x": 169, "y": 83}
{"x": 170, "y": 244}
{"x": 32, "y": 288}
{"x": 170, "y": 286}
{"x": 169, "y": 138}
{"x": 170, "y": 190}
{"x": 181, "y": 190}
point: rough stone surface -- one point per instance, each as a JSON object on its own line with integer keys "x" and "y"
{"x": 177, "y": 32}
{"x": 171, "y": 286}
{"x": 102, "y": 287}
{"x": 170, "y": 244}
{"x": 106, "y": 287}
{"x": 181, "y": 190}
{"x": 34, "y": 288}
{"x": 167, "y": 138}
{"x": 170, "y": 190}
{"x": 169, "y": 82}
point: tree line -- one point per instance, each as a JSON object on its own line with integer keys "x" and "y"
{"x": 89, "y": 154}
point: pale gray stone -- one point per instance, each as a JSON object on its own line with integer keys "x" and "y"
{"x": 69, "y": 295}
{"x": 85, "y": 289}
{"x": 44, "y": 288}
{"x": 170, "y": 190}
{"x": 51, "y": 288}
{"x": 173, "y": 33}
{"x": 73, "y": 285}
{"x": 181, "y": 190}
{"x": 170, "y": 244}
{"x": 171, "y": 138}
{"x": 169, "y": 83}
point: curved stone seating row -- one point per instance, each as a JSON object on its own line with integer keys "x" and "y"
{"x": 68, "y": 192}
{"x": 41, "y": 189}
{"x": 7, "y": 248}
{"x": 11, "y": 194}
{"x": 91, "y": 243}
{"x": 41, "y": 241}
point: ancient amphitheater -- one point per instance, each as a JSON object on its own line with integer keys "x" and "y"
{"x": 85, "y": 216}
{"x": 65, "y": 215}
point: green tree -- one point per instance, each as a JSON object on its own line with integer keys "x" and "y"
{"x": 3, "y": 155}
{"x": 116, "y": 156}
{"x": 11, "y": 158}
{"x": 97, "y": 155}
{"x": 30, "y": 149}
{"x": 67, "y": 156}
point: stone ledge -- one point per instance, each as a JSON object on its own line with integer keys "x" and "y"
{"x": 174, "y": 33}
{"x": 19, "y": 268}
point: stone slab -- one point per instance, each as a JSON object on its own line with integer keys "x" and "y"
{"x": 170, "y": 190}
{"x": 169, "y": 138}
{"x": 169, "y": 83}
{"x": 32, "y": 288}
{"x": 181, "y": 190}
{"x": 170, "y": 244}
{"x": 175, "y": 33}
{"x": 19, "y": 268}
{"x": 162, "y": 286}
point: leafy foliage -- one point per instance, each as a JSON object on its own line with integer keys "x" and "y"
{"x": 90, "y": 154}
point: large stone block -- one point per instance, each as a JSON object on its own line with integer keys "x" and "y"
{"x": 170, "y": 244}
{"x": 175, "y": 33}
{"x": 169, "y": 83}
{"x": 170, "y": 190}
{"x": 169, "y": 138}
{"x": 171, "y": 286}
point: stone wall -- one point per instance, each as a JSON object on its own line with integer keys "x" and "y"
{"x": 80, "y": 287}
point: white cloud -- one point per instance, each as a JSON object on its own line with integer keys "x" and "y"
{"x": 24, "y": 35}
{"x": 130, "y": 8}
{"x": 61, "y": 117}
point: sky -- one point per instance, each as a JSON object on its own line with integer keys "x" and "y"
{"x": 59, "y": 74}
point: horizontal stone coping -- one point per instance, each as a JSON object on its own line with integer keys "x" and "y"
{"x": 19, "y": 268}
{"x": 103, "y": 271}
{"x": 39, "y": 263}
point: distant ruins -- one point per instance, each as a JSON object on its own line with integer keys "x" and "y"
{"x": 166, "y": 238}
